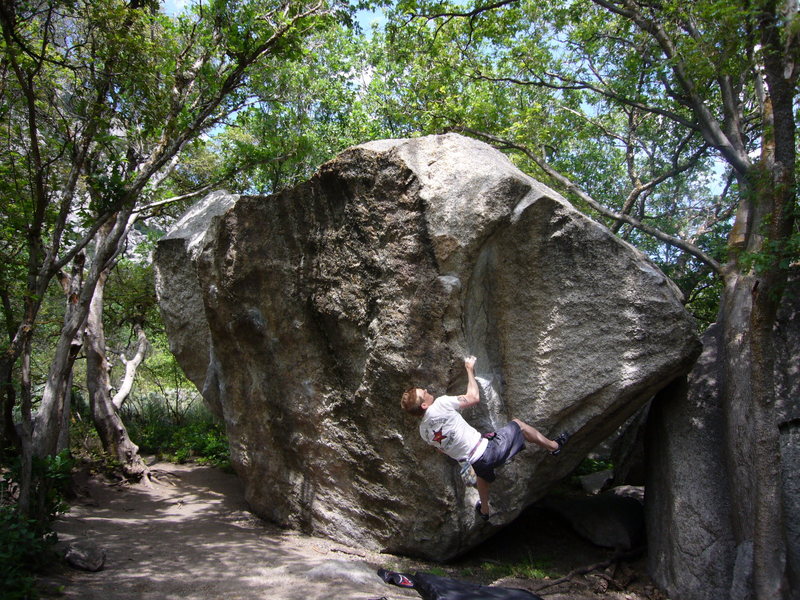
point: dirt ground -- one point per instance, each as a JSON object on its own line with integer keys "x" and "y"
{"x": 190, "y": 537}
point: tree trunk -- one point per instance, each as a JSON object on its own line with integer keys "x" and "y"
{"x": 8, "y": 434}
{"x": 20, "y": 346}
{"x": 131, "y": 366}
{"x": 109, "y": 242}
{"x": 109, "y": 426}
{"x": 753, "y": 442}
{"x": 769, "y": 541}
{"x": 26, "y": 434}
{"x": 66, "y": 417}
{"x": 51, "y": 415}
{"x": 749, "y": 309}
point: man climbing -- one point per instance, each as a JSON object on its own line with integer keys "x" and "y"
{"x": 444, "y": 428}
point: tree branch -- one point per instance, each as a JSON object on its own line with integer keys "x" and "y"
{"x": 642, "y": 188}
{"x": 618, "y": 556}
{"x": 166, "y": 148}
{"x": 575, "y": 189}
{"x": 130, "y": 368}
{"x": 467, "y": 15}
{"x": 710, "y": 128}
{"x": 173, "y": 199}
{"x": 574, "y": 84}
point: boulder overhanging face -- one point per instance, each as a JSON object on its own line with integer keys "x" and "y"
{"x": 324, "y": 302}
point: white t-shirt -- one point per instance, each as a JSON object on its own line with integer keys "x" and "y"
{"x": 443, "y": 427}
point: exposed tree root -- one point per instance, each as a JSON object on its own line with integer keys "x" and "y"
{"x": 616, "y": 558}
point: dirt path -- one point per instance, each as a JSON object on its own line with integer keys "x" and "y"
{"x": 190, "y": 537}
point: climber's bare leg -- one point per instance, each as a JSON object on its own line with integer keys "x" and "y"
{"x": 533, "y": 436}
{"x": 483, "y": 493}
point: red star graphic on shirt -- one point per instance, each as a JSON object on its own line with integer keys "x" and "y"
{"x": 438, "y": 436}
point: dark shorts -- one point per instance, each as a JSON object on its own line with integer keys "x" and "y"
{"x": 505, "y": 444}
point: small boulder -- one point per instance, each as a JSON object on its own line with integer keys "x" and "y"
{"x": 85, "y": 555}
{"x": 613, "y": 519}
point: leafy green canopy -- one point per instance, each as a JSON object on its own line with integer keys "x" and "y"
{"x": 586, "y": 87}
{"x": 101, "y": 98}
{"x": 300, "y": 113}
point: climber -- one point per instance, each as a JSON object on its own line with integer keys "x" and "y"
{"x": 445, "y": 429}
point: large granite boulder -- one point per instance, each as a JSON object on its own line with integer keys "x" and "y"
{"x": 181, "y": 303}
{"x": 693, "y": 553}
{"x": 324, "y": 302}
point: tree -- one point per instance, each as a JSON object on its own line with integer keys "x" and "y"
{"x": 104, "y": 407}
{"x": 680, "y": 88}
{"x": 104, "y": 96}
{"x": 300, "y": 114}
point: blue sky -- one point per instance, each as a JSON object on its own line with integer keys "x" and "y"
{"x": 172, "y": 7}
{"x": 365, "y": 17}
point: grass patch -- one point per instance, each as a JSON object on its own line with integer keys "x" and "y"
{"x": 528, "y": 568}
{"x": 438, "y": 571}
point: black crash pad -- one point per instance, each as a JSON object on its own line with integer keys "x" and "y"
{"x": 433, "y": 587}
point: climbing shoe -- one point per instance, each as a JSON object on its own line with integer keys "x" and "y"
{"x": 483, "y": 516}
{"x": 560, "y": 440}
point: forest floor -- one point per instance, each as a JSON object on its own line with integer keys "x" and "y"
{"x": 189, "y": 536}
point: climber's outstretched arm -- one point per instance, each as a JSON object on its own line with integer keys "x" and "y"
{"x": 472, "y": 395}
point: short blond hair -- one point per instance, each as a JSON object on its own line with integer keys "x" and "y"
{"x": 411, "y": 402}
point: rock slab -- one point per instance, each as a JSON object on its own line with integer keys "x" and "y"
{"x": 324, "y": 302}
{"x": 693, "y": 553}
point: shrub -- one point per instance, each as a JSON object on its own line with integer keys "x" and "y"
{"x": 26, "y": 542}
{"x": 593, "y": 465}
{"x": 176, "y": 433}
{"x": 50, "y": 479}
{"x": 204, "y": 441}
{"x": 23, "y": 552}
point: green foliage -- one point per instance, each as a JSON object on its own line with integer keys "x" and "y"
{"x": 703, "y": 298}
{"x": 130, "y": 298}
{"x": 593, "y": 465}
{"x": 51, "y": 474}
{"x": 177, "y": 431}
{"x": 302, "y": 112}
{"x": 98, "y": 98}
{"x": 23, "y": 552}
{"x": 49, "y": 482}
{"x": 780, "y": 254}
{"x": 202, "y": 440}
{"x": 26, "y": 543}
{"x": 528, "y": 568}
{"x": 592, "y": 92}
{"x": 85, "y": 444}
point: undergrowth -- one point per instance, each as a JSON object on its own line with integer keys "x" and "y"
{"x": 26, "y": 541}
{"x": 593, "y": 465}
{"x": 528, "y": 568}
{"x": 176, "y": 433}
